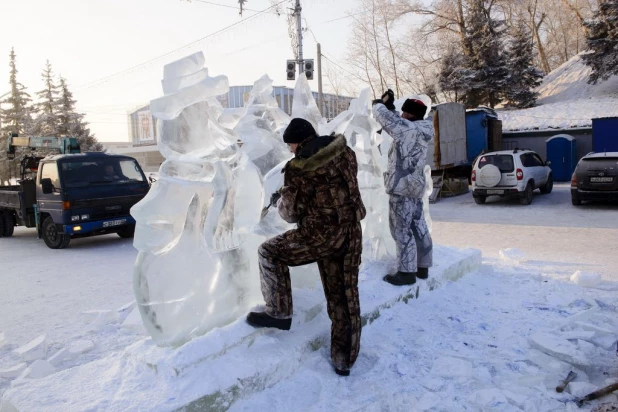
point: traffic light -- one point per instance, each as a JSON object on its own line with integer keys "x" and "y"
{"x": 291, "y": 69}
{"x": 308, "y": 68}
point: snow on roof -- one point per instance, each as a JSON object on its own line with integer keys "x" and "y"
{"x": 566, "y": 101}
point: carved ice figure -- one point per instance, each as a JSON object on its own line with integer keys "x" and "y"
{"x": 363, "y": 138}
{"x": 194, "y": 229}
{"x": 261, "y": 127}
{"x": 428, "y": 191}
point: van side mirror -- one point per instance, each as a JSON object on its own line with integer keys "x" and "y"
{"x": 47, "y": 186}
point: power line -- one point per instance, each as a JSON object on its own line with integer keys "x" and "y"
{"x": 342, "y": 18}
{"x": 326, "y": 57}
{"x": 223, "y": 5}
{"x": 103, "y": 79}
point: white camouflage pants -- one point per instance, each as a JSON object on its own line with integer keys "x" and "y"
{"x": 409, "y": 230}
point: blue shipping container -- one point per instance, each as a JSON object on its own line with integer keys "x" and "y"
{"x": 605, "y": 134}
{"x": 477, "y": 131}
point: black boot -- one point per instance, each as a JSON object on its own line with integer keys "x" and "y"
{"x": 423, "y": 273}
{"x": 401, "y": 278}
{"x": 342, "y": 372}
{"x": 262, "y": 320}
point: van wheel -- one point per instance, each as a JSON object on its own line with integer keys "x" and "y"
{"x": 2, "y": 224}
{"x": 54, "y": 239}
{"x": 480, "y": 200}
{"x": 576, "y": 201}
{"x": 127, "y": 232}
{"x": 548, "y": 186}
{"x": 526, "y": 197}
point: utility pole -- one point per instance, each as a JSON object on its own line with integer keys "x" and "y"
{"x": 299, "y": 28}
{"x": 320, "y": 95}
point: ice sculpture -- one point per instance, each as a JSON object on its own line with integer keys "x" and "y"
{"x": 199, "y": 227}
{"x": 428, "y": 191}
{"x": 194, "y": 229}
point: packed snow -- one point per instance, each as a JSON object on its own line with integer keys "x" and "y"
{"x": 489, "y": 325}
{"x": 566, "y": 100}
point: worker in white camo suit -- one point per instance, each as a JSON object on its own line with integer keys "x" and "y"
{"x": 405, "y": 184}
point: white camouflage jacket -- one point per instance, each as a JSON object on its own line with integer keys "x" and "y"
{"x": 408, "y": 153}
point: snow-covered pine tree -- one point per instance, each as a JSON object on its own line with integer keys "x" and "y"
{"x": 46, "y": 122}
{"x": 452, "y": 78}
{"x": 486, "y": 62}
{"x": 71, "y": 123}
{"x": 15, "y": 115}
{"x": 602, "y": 39}
{"x": 523, "y": 76}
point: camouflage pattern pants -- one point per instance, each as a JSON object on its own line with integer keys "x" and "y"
{"x": 409, "y": 229}
{"x": 337, "y": 250}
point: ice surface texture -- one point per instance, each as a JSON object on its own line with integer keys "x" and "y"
{"x": 199, "y": 227}
{"x": 194, "y": 228}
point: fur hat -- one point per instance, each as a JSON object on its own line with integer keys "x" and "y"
{"x": 298, "y": 131}
{"x": 414, "y": 107}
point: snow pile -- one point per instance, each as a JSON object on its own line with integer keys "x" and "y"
{"x": 586, "y": 279}
{"x": 512, "y": 255}
{"x": 566, "y": 100}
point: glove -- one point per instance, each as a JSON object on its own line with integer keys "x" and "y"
{"x": 274, "y": 198}
{"x": 377, "y": 101}
{"x": 388, "y": 98}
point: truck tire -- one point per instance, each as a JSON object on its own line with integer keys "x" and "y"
{"x": 2, "y": 224}
{"x": 127, "y": 232}
{"x": 52, "y": 238}
{"x": 480, "y": 200}
{"x": 9, "y": 224}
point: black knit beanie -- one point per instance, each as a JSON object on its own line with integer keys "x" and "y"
{"x": 298, "y": 131}
{"x": 414, "y": 107}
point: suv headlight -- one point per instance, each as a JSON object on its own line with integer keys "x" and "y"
{"x": 74, "y": 218}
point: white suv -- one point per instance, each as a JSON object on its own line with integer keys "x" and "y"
{"x": 510, "y": 172}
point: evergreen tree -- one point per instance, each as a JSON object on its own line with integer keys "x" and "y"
{"x": 71, "y": 123}
{"x": 14, "y": 116}
{"x": 46, "y": 123}
{"x": 602, "y": 39}
{"x": 523, "y": 76}
{"x": 15, "y": 112}
{"x": 453, "y": 73}
{"x": 486, "y": 62}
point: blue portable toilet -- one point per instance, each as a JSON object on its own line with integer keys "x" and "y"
{"x": 562, "y": 155}
{"x": 478, "y": 130}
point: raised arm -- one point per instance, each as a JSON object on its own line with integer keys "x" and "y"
{"x": 392, "y": 123}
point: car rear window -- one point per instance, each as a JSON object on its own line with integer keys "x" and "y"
{"x": 503, "y": 162}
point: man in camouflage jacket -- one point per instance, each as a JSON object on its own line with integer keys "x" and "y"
{"x": 321, "y": 195}
{"x": 405, "y": 184}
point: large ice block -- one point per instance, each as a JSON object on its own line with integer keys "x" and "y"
{"x": 194, "y": 228}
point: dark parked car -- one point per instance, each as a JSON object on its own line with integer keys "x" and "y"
{"x": 595, "y": 178}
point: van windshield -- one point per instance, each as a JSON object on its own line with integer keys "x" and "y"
{"x": 105, "y": 171}
{"x": 503, "y": 162}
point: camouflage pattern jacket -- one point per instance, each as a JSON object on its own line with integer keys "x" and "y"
{"x": 320, "y": 185}
{"x": 408, "y": 153}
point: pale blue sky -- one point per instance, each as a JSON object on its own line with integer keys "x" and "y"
{"x": 86, "y": 40}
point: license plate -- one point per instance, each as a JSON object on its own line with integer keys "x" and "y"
{"x": 495, "y": 192}
{"x": 115, "y": 223}
{"x": 601, "y": 179}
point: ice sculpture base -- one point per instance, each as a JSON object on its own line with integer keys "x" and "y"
{"x": 213, "y": 371}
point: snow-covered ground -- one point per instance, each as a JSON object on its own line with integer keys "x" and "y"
{"x": 475, "y": 344}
